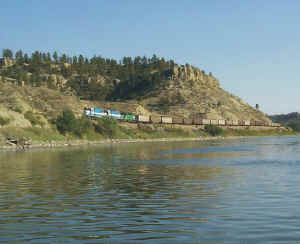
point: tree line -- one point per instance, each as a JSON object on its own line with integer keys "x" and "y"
{"x": 124, "y": 79}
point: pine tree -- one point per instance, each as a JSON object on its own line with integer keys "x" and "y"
{"x": 75, "y": 60}
{"x": 19, "y": 56}
{"x": 7, "y": 53}
{"x": 48, "y": 57}
{"x": 44, "y": 58}
{"x": 26, "y": 58}
{"x": 55, "y": 57}
{"x": 63, "y": 58}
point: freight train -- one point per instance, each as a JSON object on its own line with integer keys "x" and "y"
{"x": 155, "y": 119}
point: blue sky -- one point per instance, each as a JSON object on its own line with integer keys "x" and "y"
{"x": 252, "y": 47}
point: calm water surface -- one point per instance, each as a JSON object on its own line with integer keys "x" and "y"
{"x": 239, "y": 191}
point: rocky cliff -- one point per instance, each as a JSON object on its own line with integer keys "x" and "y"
{"x": 184, "y": 73}
{"x": 190, "y": 93}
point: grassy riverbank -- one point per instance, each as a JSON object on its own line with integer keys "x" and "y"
{"x": 105, "y": 131}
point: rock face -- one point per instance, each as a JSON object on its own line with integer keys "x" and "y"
{"x": 190, "y": 73}
{"x": 6, "y": 62}
{"x": 58, "y": 81}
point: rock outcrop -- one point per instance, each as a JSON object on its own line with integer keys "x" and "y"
{"x": 190, "y": 73}
{"x": 6, "y": 62}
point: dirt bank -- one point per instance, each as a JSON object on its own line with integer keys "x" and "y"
{"x": 77, "y": 143}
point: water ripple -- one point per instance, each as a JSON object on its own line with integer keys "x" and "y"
{"x": 242, "y": 191}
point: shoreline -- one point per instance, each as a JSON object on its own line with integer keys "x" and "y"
{"x": 76, "y": 143}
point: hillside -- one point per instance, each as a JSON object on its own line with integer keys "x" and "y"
{"x": 41, "y": 85}
{"x": 285, "y": 118}
{"x": 291, "y": 120}
{"x": 190, "y": 93}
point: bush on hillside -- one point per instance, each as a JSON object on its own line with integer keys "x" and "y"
{"x": 66, "y": 122}
{"x": 83, "y": 125}
{"x": 33, "y": 118}
{"x": 213, "y": 130}
{"x": 17, "y": 108}
{"x": 107, "y": 127}
{"x": 4, "y": 121}
{"x": 294, "y": 124}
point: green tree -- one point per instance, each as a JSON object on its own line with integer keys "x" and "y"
{"x": 26, "y": 58}
{"x": 66, "y": 122}
{"x": 19, "y": 56}
{"x": 44, "y": 58}
{"x": 80, "y": 59}
{"x": 63, "y": 58}
{"x": 213, "y": 130}
{"x": 50, "y": 82}
{"x": 48, "y": 57}
{"x": 83, "y": 126}
{"x": 74, "y": 60}
{"x": 55, "y": 57}
{"x": 36, "y": 58}
{"x": 7, "y": 53}
{"x": 107, "y": 127}
{"x": 294, "y": 124}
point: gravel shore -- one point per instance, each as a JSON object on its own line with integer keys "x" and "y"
{"x": 54, "y": 144}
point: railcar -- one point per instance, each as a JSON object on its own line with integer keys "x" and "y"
{"x": 268, "y": 124}
{"x": 198, "y": 122}
{"x": 221, "y": 122}
{"x": 177, "y": 120}
{"x": 113, "y": 114}
{"x": 188, "y": 121}
{"x": 94, "y": 112}
{"x": 155, "y": 119}
{"x": 143, "y": 118}
{"x": 100, "y": 113}
{"x": 275, "y": 124}
{"x": 231, "y": 122}
{"x": 247, "y": 123}
{"x": 214, "y": 122}
{"x": 259, "y": 123}
{"x": 235, "y": 122}
{"x": 206, "y": 122}
{"x": 241, "y": 122}
{"x": 128, "y": 117}
{"x": 228, "y": 122}
{"x": 166, "y": 120}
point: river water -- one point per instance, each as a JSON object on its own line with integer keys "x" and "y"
{"x": 233, "y": 191}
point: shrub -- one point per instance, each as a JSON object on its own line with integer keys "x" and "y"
{"x": 17, "y": 108}
{"x": 66, "y": 122}
{"x": 83, "y": 125}
{"x": 4, "y": 121}
{"x": 146, "y": 128}
{"x": 213, "y": 130}
{"x": 107, "y": 127}
{"x": 33, "y": 118}
{"x": 294, "y": 124}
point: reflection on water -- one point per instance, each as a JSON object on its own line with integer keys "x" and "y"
{"x": 187, "y": 192}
